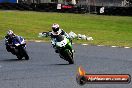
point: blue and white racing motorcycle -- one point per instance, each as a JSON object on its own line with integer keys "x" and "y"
{"x": 19, "y": 48}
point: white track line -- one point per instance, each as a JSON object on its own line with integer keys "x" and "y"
{"x": 38, "y": 41}
{"x": 73, "y": 43}
{"x": 100, "y": 45}
{"x": 114, "y": 46}
{"x": 126, "y": 47}
{"x": 84, "y": 44}
{"x": 87, "y": 44}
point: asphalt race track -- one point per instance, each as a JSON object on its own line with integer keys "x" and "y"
{"x": 46, "y": 70}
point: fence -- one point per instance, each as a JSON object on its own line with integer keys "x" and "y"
{"x": 111, "y": 7}
{"x": 116, "y": 3}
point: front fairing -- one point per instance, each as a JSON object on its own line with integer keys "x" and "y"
{"x": 61, "y": 41}
{"x": 63, "y": 44}
{"x": 18, "y": 40}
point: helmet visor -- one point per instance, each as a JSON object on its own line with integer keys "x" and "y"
{"x": 55, "y": 29}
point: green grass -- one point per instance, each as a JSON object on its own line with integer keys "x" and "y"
{"x": 106, "y": 30}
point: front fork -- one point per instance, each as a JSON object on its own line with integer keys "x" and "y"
{"x": 19, "y": 49}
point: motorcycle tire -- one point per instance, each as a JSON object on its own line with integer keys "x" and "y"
{"x": 25, "y": 54}
{"x": 69, "y": 57}
{"x": 19, "y": 57}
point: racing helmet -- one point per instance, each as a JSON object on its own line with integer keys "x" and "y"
{"x": 10, "y": 33}
{"x": 55, "y": 27}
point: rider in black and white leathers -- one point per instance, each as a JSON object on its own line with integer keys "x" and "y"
{"x": 9, "y": 41}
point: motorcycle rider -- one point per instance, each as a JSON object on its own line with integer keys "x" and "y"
{"x": 9, "y": 41}
{"x": 57, "y": 31}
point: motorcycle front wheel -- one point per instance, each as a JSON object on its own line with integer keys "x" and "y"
{"x": 69, "y": 56}
{"x": 25, "y": 54}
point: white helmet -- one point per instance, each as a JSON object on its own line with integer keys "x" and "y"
{"x": 10, "y": 33}
{"x": 55, "y": 27}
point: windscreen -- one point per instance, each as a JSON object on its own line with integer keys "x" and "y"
{"x": 59, "y": 38}
{"x": 17, "y": 40}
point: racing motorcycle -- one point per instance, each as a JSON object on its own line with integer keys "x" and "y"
{"x": 64, "y": 48}
{"x": 19, "y": 48}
